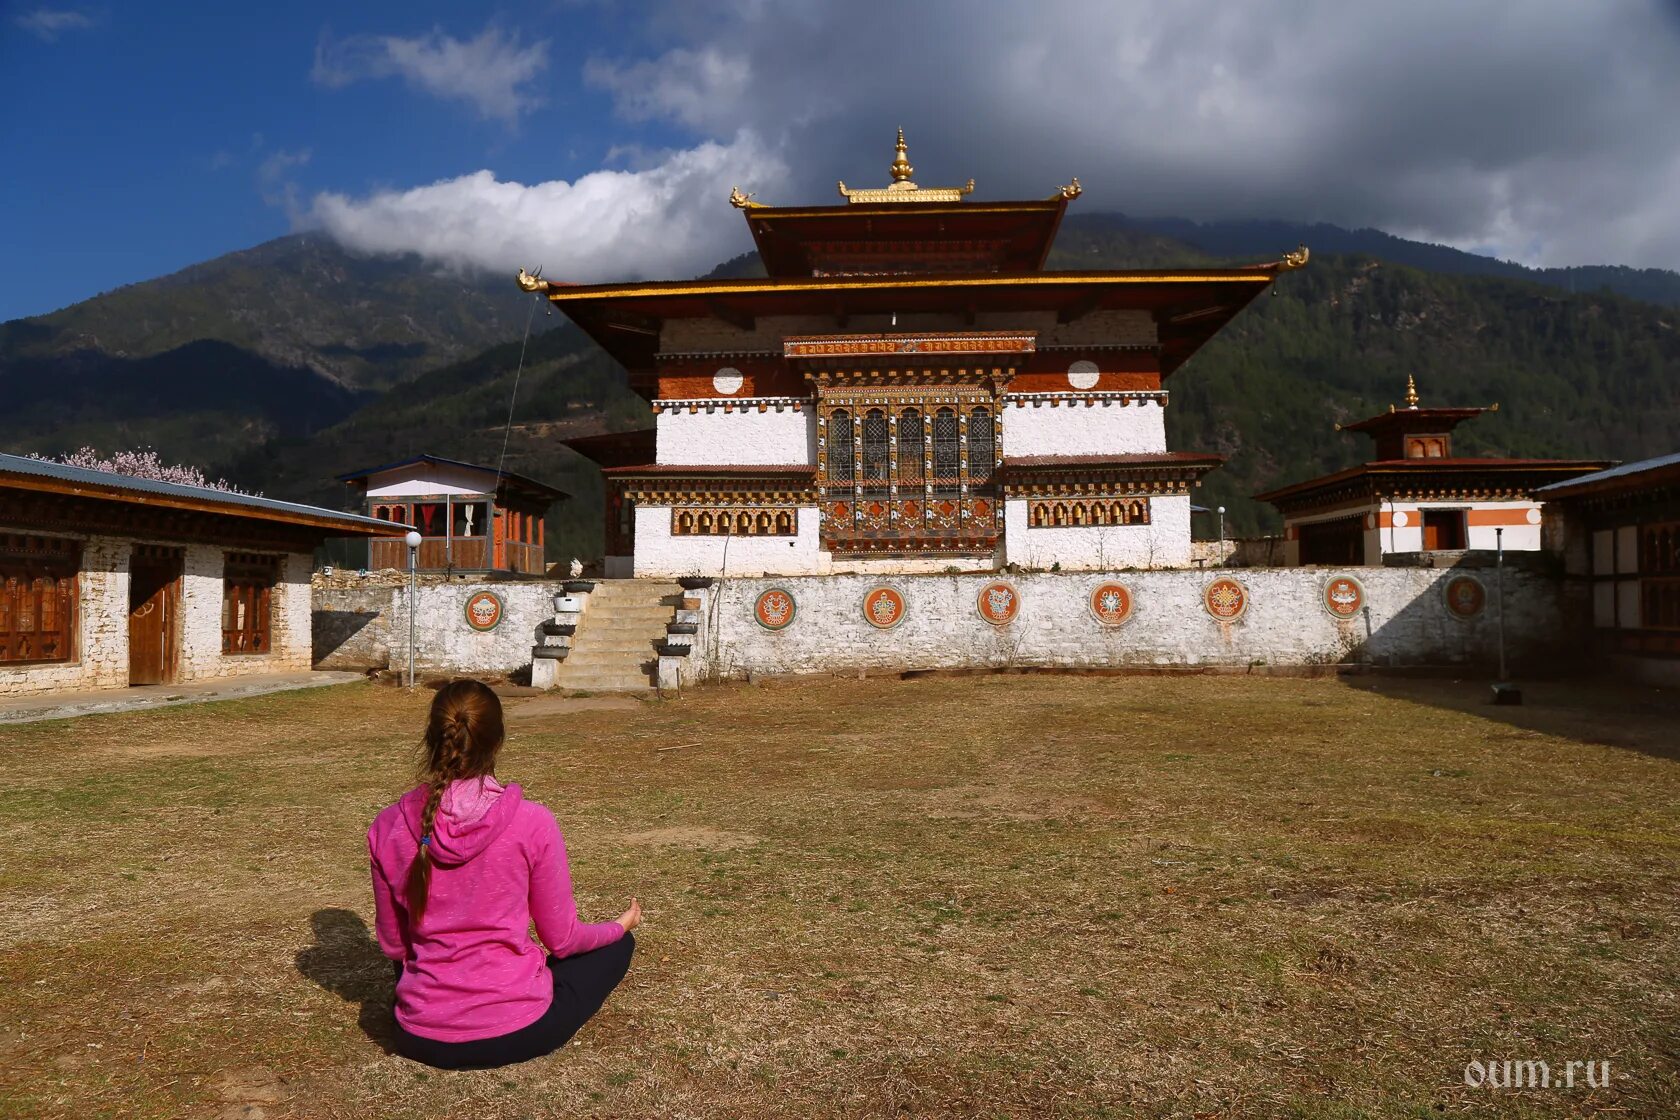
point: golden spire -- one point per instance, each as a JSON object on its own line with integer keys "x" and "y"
{"x": 1411, "y": 392}
{"x": 903, "y": 188}
{"x": 901, "y": 169}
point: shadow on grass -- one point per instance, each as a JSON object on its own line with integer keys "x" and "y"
{"x": 1589, "y": 709}
{"x": 346, "y": 961}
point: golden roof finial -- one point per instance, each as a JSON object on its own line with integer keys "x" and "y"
{"x": 1292, "y": 261}
{"x": 901, "y": 169}
{"x": 1411, "y": 392}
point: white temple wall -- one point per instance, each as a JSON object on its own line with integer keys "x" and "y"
{"x": 1163, "y": 543}
{"x": 1285, "y": 623}
{"x": 1069, "y": 427}
{"x": 659, "y": 553}
{"x": 736, "y": 438}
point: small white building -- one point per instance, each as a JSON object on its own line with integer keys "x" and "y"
{"x": 1416, "y": 495}
{"x": 108, "y": 581}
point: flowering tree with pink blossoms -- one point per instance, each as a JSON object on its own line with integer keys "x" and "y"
{"x": 143, "y": 463}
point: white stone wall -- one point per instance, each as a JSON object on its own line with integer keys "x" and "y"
{"x": 658, "y": 553}
{"x": 443, "y": 642}
{"x": 101, "y": 627}
{"x": 739, "y": 438}
{"x": 1284, "y": 625}
{"x": 102, "y": 622}
{"x": 1036, "y": 425}
{"x": 1163, "y": 543}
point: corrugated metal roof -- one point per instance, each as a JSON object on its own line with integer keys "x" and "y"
{"x": 237, "y": 503}
{"x": 1622, "y": 471}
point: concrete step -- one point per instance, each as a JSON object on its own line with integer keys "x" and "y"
{"x": 636, "y": 657}
{"x": 643, "y": 649}
{"x": 606, "y": 682}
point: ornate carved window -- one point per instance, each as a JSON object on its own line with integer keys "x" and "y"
{"x": 247, "y": 602}
{"x": 910, "y": 446}
{"x": 877, "y": 447}
{"x": 982, "y": 446}
{"x": 947, "y": 448}
{"x": 1045, "y": 513}
{"x": 38, "y": 585}
{"x": 840, "y": 446}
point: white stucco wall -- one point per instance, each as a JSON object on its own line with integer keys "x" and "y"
{"x": 201, "y": 619}
{"x": 750, "y": 437}
{"x": 377, "y": 636}
{"x": 101, "y": 626}
{"x": 1163, "y": 543}
{"x": 430, "y": 478}
{"x": 1036, "y": 425}
{"x": 1284, "y": 625}
{"x": 658, "y": 553}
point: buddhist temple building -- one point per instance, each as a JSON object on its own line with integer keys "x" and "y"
{"x": 908, "y": 389}
{"x": 470, "y": 518}
{"x": 1415, "y": 495}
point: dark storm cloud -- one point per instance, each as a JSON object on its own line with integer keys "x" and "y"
{"x": 1546, "y": 129}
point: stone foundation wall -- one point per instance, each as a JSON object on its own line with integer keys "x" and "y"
{"x": 1406, "y": 622}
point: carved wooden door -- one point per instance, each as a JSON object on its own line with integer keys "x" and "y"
{"x": 153, "y": 593}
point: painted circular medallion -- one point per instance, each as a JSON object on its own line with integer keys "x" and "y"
{"x": 775, "y": 609}
{"x": 484, "y": 610}
{"x": 1225, "y": 599}
{"x": 728, "y": 381}
{"x": 1344, "y": 596}
{"x": 1111, "y": 603}
{"x": 883, "y": 608}
{"x": 998, "y": 603}
{"x": 1465, "y": 596}
{"x": 1083, "y": 374}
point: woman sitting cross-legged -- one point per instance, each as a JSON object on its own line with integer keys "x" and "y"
{"x": 462, "y": 867}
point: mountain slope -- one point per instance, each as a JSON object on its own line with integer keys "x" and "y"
{"x": 299, "y": 301}
{"x": 1266, "y": 239}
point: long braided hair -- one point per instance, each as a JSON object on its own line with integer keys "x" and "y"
{"x": 463, "y": 736}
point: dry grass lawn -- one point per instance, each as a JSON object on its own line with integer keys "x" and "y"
{"x": 995, "y": 896}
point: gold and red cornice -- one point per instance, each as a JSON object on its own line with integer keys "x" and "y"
{"x": 1168, "y": 474}
{"x": 1424, "y": 480}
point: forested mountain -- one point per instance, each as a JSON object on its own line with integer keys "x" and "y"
{"x": 283, "y": 367}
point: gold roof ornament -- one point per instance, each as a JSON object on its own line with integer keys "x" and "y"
{"x": 903, "y": 188}
{"x": 532, "y": 281}
{"x": 742, "y": 201}
{"x": 1297, "y": 259}
{"x": 1070, "y": 192}
{"x": 1411, "y": 392}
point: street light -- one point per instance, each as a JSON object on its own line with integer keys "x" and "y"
{"x": 1222, "y": 534}
{"x": 1504, "y": 692}
{"x": 413, "y": 541}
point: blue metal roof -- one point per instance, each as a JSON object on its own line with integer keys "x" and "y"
{"x": 1622, "y": 471}
{"x": 237, "y": 504}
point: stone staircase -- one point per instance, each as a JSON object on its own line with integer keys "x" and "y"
{"x": 615, "y": 648}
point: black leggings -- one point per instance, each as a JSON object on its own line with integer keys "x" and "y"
{"x": 581, "y": 985}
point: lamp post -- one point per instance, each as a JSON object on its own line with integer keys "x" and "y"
{"x": 1221, "y": 535}
{"x": 413, "y": 541}
{"x": 1504, "y": 692}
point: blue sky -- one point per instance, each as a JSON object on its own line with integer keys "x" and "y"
{"x": 600, "y": 140}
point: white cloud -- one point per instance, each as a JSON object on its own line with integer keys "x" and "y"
{"x": 1544, "y": 129}
{"x": 49, "y": 23}
{"x": 490, "y": 72}
{"x": 669, "y": 218}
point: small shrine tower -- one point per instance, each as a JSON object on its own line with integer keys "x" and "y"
{"x": 1416, "y": 495}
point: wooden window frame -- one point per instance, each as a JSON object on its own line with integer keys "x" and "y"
{"x": 27, "y": 560}
{"x": 249, "y": 581}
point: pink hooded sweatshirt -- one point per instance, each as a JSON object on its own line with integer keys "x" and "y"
{"x": 471, "y": 969}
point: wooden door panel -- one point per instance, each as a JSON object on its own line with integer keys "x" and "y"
{"x": 152, "y": 599}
